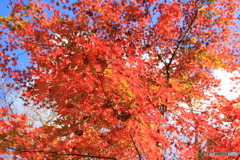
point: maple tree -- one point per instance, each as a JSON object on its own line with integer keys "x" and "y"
{"x": 127, "y": 79}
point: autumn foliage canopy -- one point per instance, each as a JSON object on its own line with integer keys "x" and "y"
{"x": 128, "y": 79}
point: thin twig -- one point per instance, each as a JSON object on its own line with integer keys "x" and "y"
{"x": 64, "y": 154}
{"x": 159, "y": 56}
{"x": 139, "y": 155}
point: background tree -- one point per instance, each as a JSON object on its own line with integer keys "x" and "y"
{"x": 127, "y": 79}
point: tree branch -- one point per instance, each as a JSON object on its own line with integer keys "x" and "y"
{"x": 139, "y": 155}
{"x": 63, "y": 154}
{"x": 238, "y": 157}
{"x": 181, "y": 41}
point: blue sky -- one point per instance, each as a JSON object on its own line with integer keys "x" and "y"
{"x": 21, "y": 54}
{"x": 3, "y": 8}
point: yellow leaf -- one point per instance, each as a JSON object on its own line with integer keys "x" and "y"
{"x": 193, "y": 39}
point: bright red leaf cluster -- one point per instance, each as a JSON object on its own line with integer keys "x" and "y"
{"x": 117, "y": 73}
